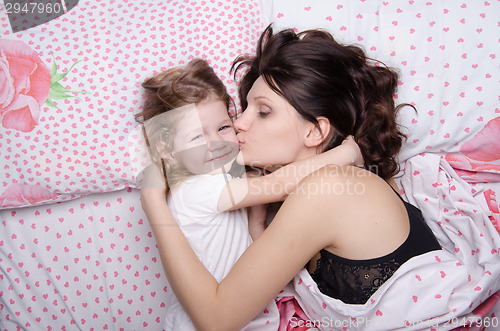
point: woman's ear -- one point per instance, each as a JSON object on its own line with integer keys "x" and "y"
{"x": 165, "y": 151}
{"x": 316, "y": 134}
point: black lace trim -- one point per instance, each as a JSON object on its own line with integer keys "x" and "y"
{"x": 354, "y": 282}
{"x": 351, "y": 283}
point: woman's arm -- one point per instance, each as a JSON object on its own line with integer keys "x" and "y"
{"x": 302, "y": 227}
{"x": 250, "y": 191}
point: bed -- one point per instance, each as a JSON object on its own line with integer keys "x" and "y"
{"x": 76, "y": 251}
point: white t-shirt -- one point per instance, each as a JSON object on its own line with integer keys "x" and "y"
{"x": 217, "y": 238}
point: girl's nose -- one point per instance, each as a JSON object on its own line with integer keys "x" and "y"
{"x": 214, "y": 145}
{"x": 210, "y": 145}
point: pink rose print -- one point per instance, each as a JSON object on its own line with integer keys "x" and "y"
{"x": 57, "y": 91}
{"x": 25, "y": 87}
{"x": 479, "y": 157}
{"x": 24, "y": 194}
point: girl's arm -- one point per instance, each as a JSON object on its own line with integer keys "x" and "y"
{"x": 257, "y": 220}
{"x": 257, "y": 214}
{"x": 299, "y": 230}
{"x": 250, "y": 191}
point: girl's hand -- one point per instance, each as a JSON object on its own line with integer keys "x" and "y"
{"x": 257, "y": 220}
{"x": 352, "y": 147}
{"x": 256, "y": 214}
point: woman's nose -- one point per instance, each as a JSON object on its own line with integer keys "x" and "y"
{"x": 241, "y": 122}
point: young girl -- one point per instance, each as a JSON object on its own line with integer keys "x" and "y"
{"x": 192, "y": 139}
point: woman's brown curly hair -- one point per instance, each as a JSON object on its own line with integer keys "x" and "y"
{"x": 320, "y": 77}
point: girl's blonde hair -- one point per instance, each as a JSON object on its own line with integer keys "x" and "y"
{"x": 165, "y": 93}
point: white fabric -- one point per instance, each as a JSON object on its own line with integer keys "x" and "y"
{"x": 437, "y": 290}
{"x": 83, "y": 264}
{"x": 217, "y": 238}
{"x": 90, "y": 143}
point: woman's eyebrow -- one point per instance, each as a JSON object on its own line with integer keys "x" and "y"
{"x": 263, "y": 97}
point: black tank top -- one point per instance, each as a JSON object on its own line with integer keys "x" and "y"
{"x": 354, "y": 281}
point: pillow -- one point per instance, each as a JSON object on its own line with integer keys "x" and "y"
{"x": 73, "y": 87}
{"x": 446, "y": 52}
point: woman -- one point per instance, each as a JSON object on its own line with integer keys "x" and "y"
{"x": 298, "y": 88}
{"x": 189, "y": 130}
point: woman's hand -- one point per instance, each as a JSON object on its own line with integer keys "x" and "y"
{"x": 153, "y": 189}
{"x": 352, "y": 147}
{"x": 153, "y": 178}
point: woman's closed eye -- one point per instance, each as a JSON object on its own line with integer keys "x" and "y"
{"x": 263, "y": 113}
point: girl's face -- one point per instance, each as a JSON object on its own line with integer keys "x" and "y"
{"x": 205, "y": 139}
{"x": 270, "y": 131}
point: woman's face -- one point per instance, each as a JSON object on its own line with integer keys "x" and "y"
{"x": 270, "y": 131}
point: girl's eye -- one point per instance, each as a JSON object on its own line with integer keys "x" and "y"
{"x": 225, "y": 127}
{"x": 197, "y": 137}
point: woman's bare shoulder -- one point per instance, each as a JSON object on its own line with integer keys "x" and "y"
{"x": 337, "y": 194}
{"x": 328, "y": 195}
{"x": 351, "y": 205}
{"x": 341, "y": 183}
